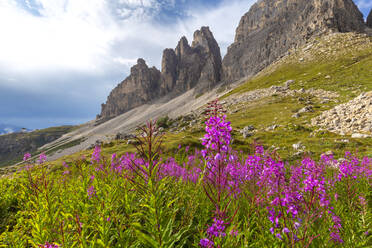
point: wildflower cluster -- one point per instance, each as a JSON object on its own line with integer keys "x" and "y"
{"x": 214, "y": 197}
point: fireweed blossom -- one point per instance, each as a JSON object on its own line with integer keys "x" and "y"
{"x": 206, "y": 243}
{"x": 91, "y": 192}
{"x": 222, "y": 172}
{"x": 96, "y": 155}
{"x": 354, "y": 168}
{"x": 217, "y": 229}
{"x": 335, "y": 229}
{"x": 42, "y": 158}
{"x": 49, "y": 245}
{"x": 26, "y": 157}
{"x": 218, "y": 134}
{"x": 217, "y": 146}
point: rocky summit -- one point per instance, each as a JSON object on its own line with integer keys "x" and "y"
{"x": 139, "y": 88}
{"x": 198, "y": 65}
{"x": 186, "y": 67}
{"x": 271, "y": 28}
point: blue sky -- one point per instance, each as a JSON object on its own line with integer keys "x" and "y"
{"x": 59, "y": 59}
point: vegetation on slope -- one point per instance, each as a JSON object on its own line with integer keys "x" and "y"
{"x": 216, "y": 197}
{"x": 14, "y": 145}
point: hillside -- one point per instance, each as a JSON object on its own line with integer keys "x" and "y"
{"x": 13, "y": 146}
{"x": 274, "y": 108}
{"x": 6, "y": 129}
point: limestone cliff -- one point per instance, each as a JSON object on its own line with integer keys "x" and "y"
{"x": 139, "y": 87}
{"x": 369, "y": 19}
{"x": 271, "y": 27}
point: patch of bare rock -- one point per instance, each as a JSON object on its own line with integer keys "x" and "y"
{"x": 353, "y": 118}
{"x": 281, "y": 90}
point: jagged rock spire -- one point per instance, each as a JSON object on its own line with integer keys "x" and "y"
{"x": 185, "y": 67}
{"x": 138, "y": 88}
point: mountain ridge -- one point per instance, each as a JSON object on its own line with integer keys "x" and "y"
{"x": 183, "y": 68}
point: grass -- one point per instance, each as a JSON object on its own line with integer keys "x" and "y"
{"x": 129, "y": 203}
{"x": 348, "y": 72}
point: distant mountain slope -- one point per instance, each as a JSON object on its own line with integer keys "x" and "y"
{"x": 7, "y": 128}
{"x": 14, "y": 145}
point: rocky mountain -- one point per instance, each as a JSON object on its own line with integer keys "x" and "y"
{"x": 369, "y": 19}
{"x": 271, "y": 28}
{"x": 140, "y": 87}
{"x": 186, "y": 67}
{"x": 265, "y": 33}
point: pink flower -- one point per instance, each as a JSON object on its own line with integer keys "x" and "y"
{"x": 26, "y": 157}
{"x": 49, "y": 245}
{"x": 206, "y": 243}
{"x": 91, "y": 191}
{"x": 42, "y": 158}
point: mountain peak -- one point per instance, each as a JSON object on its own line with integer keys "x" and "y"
{"x": 141, "y": 61}
{"x": 183, "y": 47}
{"x": 202, "y": 37}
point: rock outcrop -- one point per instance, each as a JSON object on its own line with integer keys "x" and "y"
{"x": 140, "y": 87}
{"x": 198, "y": 65}
{"x": 186, "y": 67}
{"x": 353, "y": 117}
{"x": 272, "y": 27}
{"x": 369, "y": 19}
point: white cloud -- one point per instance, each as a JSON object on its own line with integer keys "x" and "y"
{"x": 139, "y": 3}
{"x": 77, "y": 36}
{"x": 69, "y": 35}
{"x": 83, "y": 50}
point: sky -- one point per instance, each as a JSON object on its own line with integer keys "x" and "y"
{"x": 59, "y": 59}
